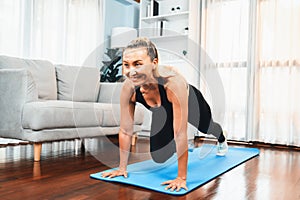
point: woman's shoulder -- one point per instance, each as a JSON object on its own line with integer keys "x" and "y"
{"x": 171, "y": 76}
{"x": 175, "y": 86}
{"x": 166, "y": 71}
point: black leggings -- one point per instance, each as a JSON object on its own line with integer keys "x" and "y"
{"x": 162, "y": 144}
{"x": 200, "y": 115}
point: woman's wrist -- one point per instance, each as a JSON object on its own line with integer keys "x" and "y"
{"x": 181, "y": 178}
{"x": 122, "y": 168}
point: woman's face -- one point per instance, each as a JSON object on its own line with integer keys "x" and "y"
{"x": 137, "y": 66}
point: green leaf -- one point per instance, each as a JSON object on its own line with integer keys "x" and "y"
{"x": 111, "y": 53}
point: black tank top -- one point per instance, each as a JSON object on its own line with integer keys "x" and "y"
{"x": 162, "y": 145}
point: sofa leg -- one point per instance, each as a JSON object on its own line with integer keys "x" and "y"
{"x": 82, "y": 147}
{"x": 37, "y": 148}
{"x": 133, "y": 139}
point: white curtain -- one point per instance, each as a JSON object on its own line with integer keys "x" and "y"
{"x": 278, "y": 80}
{"x": 255, "y": 46}
{"x": 62, "y": 31}
{"x": 10, "y": 27}
{"x": 225, "y": 39}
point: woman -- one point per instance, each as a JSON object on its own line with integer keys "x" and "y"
{"x": 173, "y": 103}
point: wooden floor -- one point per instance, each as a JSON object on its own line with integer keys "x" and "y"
{"x": 63, "y": 173}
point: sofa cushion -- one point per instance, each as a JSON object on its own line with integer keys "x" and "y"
{"x": 110, "y": 92}
{"x": 43, "y": 73}
{"x": 77, "y": 83}
{"x": 66, "y": 114}
{"x": 32, "y": 93}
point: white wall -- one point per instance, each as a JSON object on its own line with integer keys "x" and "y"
{"x": 120, "y": 13}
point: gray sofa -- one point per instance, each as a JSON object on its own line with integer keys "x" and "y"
{"x": 42, "y": 102}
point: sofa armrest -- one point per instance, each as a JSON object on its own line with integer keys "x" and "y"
{"x": 109, "y": 92}
{"x": 16, "y": 88}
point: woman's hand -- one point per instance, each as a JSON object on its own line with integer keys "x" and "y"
{"x": 114, "y": 173}
{"x": 175, "y": 184}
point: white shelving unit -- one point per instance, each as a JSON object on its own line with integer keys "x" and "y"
{"x": 166, "y": 17}
{"x": 167, "y": 29}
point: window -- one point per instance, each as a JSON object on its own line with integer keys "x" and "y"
{"x": 62, "y": 31}
{"x": 255, "y": 46}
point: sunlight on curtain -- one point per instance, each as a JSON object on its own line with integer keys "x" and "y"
{"x": 66, "y": 31}
{"x": 225, "y": 39}
{"x": 85, "y": 24}
{"x": 61, "y": 31}
{"x": 230, "y": 37}
{"x": 10, "y": 27}
{"x": 279, "y": 72}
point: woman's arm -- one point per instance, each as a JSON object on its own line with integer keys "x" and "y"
{"x": 177, "y": 94}
{"x": 126, "y": 126}
{"x": 127, "y": 107}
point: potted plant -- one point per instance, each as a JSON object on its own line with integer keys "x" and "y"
{"x": 110, "y": 71}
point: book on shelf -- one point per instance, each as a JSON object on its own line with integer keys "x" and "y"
{"x": 154, "y": 8}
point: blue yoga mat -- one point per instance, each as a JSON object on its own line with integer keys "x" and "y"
{"x": 203, "y": 166}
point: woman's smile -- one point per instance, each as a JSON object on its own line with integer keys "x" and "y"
{"x": 136, "y": 77}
